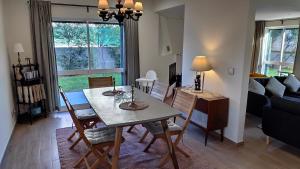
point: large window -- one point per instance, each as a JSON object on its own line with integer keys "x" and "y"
{"x": 87, "y": 49}
{"x": 279, "y": 50}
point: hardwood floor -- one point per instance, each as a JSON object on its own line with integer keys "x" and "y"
{"x": 35, "y": 147}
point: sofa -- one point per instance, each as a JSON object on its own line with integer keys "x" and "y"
{"x": 281, "y": 120}
{"x": 280, "y": 115}
{"x": 256, "y": 102}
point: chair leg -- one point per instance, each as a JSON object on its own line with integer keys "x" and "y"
{"x": 82, "y": 158}
{"x": 129, "y": 129}
{"x": 75, "y": 143}
{"x": 72, "y": 135}
{"x": 182, "y": 152}
{"x": 149, "y": 145}
{"x": 144, "y": 136}
{"x": 164, "y": 160}
{"x": 268, "y": 140}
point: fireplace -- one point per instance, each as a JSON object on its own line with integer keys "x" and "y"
{"x": 173, "y": 77}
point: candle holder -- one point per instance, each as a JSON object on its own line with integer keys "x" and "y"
{"x": 132, "y": 103}
{"x": 114, "y": 85}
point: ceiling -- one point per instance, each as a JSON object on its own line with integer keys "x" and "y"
{"x": 277, "y": 9}
{"x": 265, "y": 10}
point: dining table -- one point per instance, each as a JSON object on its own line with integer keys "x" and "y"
{"x": 108, "y": 110}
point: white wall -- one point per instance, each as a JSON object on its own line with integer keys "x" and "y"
{"x": 7, "y": 120}
{"x": 221, "y": 30}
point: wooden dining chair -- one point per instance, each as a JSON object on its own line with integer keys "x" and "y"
{"x": 159, "y": 91}
{"x": 96, "y": 82}
{"x": 183, "y": 102}
{"x": 87, "y": 118}
{"x": 99, "y": 141}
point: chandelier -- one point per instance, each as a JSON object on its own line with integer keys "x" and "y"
{"x": 128, "y": 10}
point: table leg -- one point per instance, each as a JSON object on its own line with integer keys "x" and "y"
{"x": 170, "y": 144}
{"x": 118, "y": 140}
{"x": 206, "y": 136}
{"x": 222, "y": 134}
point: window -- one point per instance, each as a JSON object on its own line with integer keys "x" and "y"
{"x": 87, "y": 49}
{"x": 279, "y": 50}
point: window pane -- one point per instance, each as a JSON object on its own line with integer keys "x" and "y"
{"x": 276, "y": 36}
{"x": 105, "y": 43}
{"x": 290, "y": 46}
{"x": 271, "y": 70}
{"x": 70, "y": 40}
{"x": 291, "y": 39}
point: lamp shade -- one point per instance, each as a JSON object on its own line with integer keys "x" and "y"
{"x": 18, "y": 48}
{"x": 201, "y": 64}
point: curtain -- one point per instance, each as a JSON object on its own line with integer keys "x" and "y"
{"x": 132, "y": 62}
{"x": 297, "y": 59}
{"x": 43, "y": 49}
{"x": 256, "y": 62}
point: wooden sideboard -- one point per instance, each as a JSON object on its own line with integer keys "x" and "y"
{"x": 211, "y": 111}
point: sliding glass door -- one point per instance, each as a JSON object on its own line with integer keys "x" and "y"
{"x": 87, "y": 50}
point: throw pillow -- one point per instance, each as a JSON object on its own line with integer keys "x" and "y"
{"x": 292, "y": 83}
{"x": 256, "y": 87}
{"x": 275, "y": 87}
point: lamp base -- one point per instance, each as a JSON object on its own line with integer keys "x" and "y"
{"x": 198, "y": 83}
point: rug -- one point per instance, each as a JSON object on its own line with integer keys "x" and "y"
{"x": 131, "y": 153}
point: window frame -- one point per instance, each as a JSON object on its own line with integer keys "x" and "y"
{"x": 90, "y": 70}
{"x": 266, "y": 40}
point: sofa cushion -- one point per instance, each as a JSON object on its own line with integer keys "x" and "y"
{"x": 292, "y": 83}
{"x": 275, "y": 87}
{"x": 256, "y": 87}
{"x": 286, "y": 104}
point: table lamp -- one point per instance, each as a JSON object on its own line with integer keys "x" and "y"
{"x": 200, "y": 65}
{"x": 18, "y": 48}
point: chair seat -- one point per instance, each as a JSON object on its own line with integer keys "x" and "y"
{"x": 156, "y": 127}
{"x": 100, "y": 135}
{"x": 85, "y": 114}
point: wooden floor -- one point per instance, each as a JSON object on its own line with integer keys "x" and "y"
{"x": 34, "y": 147}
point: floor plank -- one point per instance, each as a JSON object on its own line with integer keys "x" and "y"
{"x": 35, "y": 147}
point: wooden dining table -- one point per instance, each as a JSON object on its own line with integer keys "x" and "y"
{"x": 107, "y": 108}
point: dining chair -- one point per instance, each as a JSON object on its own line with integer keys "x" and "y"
{"x": 183, "y": 102}
{"x": 96, "y": 82}
{"x": 99, "y": 141}
{"x": 159, "y": 91}
{"x": 87, "y": 118}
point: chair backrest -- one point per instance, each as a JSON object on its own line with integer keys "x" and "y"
{"x": 159, "y": 90}
{"x": 185, "y": 103}
{"x": 171, "y": 89}
{"x": 96, "y": 82}
{"x": 71, "y": 111}
{"x": 151, "y": 74}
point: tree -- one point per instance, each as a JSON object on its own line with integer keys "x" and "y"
{"x": 72, "y": 39}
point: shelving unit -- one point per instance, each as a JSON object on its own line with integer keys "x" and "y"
{"x": 30, "y": 93}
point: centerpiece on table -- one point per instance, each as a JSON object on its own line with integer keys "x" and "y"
{"x": 114, "y": 91}
{"x": 133, "y": 105}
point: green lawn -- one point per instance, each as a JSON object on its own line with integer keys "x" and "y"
{"x": 274, "y": 72}
{"x": 79, "y": 82}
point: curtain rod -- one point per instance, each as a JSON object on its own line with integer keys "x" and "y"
{"x": 285, "y": 19}
{"x": 75, "y": 5}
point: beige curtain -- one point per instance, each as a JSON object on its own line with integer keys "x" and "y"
{"x": 43, "y": 49}
{"x": 256, "y": 62}
{"x": 131, "y": 51}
